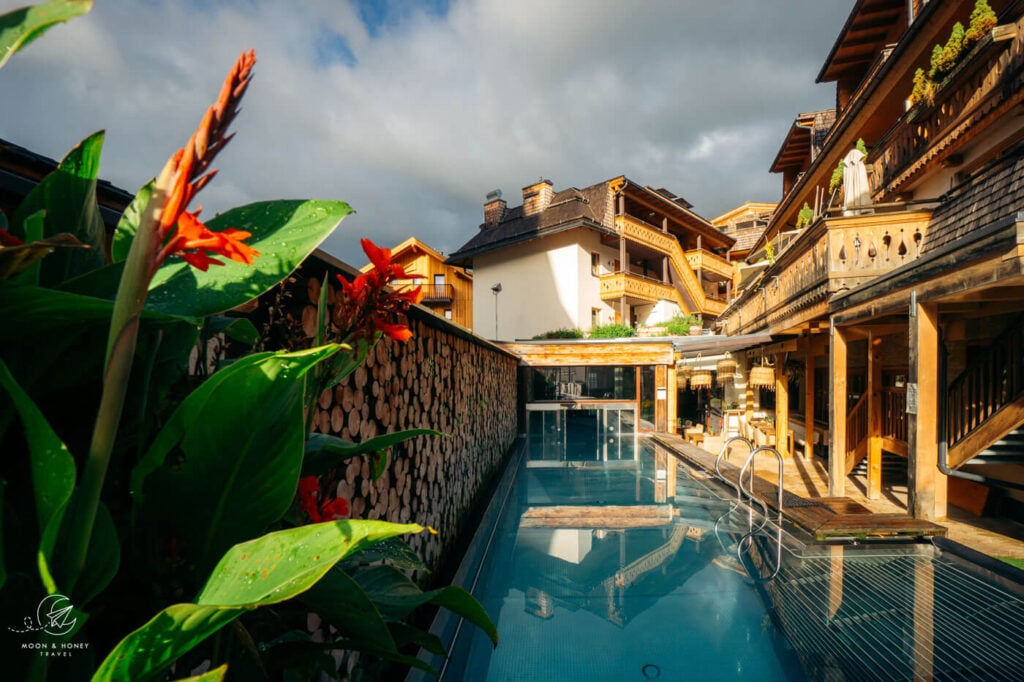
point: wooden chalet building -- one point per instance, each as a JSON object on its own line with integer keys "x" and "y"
{"x": 898, "y": 325}
{"x": 447, "y": 290}
{"x": 616, "y": 251}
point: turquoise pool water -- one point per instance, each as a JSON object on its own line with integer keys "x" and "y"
{"x": 622, "y": 564}
{"x": 578, "y": 594}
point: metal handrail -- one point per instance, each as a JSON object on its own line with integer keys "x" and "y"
{"x": 747, "y": 465}
{"x": 721, "y": 454}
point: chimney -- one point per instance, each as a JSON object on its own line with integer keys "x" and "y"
{"x": 494, "y": 208}
{"x": 537, "y": 197}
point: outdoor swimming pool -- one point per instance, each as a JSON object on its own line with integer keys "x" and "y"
{"x": 609, "y": 568}
{"x": 578, "y": 594}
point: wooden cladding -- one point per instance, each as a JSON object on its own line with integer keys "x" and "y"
{"x": 593, "y": 353}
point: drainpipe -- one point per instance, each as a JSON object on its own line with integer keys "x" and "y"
{"x": 943, "y": 445}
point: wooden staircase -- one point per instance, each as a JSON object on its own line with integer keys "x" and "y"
{"x": 690, "y": 294}
{"x": 985, "y": 403}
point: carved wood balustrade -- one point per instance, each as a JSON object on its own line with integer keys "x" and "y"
{"x": 986, "y": 84}
{"x": 834, "y": 254}
{"x": 709, "y": 262}
{"x": 621, "y": 284}
{"x": 691, "y": 294}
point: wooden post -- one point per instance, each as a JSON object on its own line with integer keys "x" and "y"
{"x": 874, "y": 417}
{"x": 809, "y": 401}
{"x": 673, "y": 402}
{"x": 781, "y": 406}
{"x": 661, "y": 398}
{"x": 837, "y": 418}
{"x": 927, "y": 485}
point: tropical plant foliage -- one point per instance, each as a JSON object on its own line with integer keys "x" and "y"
{"x": 179, "y": 520}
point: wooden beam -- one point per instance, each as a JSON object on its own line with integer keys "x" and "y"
{"x": 874, "y": 417}
{"x": 809, "y": 401}
{"x": 673, "y": 399}
{"x": 789, "y": 346}
{"x": 837, "y": 418}
{"x": 781, "y": 405}
{"x": 927, "y": 485}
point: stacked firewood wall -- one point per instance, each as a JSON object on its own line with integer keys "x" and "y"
{"x": 444, "y": 379}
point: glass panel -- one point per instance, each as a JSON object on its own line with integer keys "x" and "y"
{"x": 581, "y": 383}
{"x": 647, "y": 398}
{"x": 569, "y": 434}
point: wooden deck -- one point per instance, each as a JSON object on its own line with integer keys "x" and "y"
{"x": 826, "y": 518}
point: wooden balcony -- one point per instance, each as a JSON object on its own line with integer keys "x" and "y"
{"x": 640, "y": 232}
{"x": 984, "y": 86}
{"x": 689, "y": 290}
{"x": 834, "y": 254}
{"x": 438, "y": 293}
{"x": 638, "y": 290}
{"x": 710, "y": 264}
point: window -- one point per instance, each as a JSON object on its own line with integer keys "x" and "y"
{"x": 595, "y": 317}
{"x": 595, "y": 264}
{"x": 447, "y": 313}
{"x": 439, "y": 280}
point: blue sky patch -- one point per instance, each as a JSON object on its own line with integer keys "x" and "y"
{"x": 384, "y": 14}
{"x": 330, "y": 47}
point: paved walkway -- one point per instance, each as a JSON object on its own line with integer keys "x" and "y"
{"x": 809, "y": 478}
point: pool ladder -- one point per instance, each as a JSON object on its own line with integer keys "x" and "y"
{"x": 747, "y": 540}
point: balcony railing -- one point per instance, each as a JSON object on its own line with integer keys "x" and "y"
{"x": 709, "y": 262}
{"x": 835, "y": 254}
{"x": 985, "y": 83}
{"x": 438, "y": 293}
{"x": 640, "y": 288}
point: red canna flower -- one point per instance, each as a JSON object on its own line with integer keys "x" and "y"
{"x": 8, "y": 239}
{"x": 367, "y": 306}
{"x": 309, "y": 495}
{"x": 182, "y": 234}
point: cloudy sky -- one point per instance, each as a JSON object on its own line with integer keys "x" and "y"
{"x": 413, "y": 110}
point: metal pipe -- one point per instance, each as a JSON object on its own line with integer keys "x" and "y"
{"x": 750, "y": 459}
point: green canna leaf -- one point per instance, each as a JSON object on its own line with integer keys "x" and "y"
{"x": 267, "y": 570}
{"x": 324, "y": 451}
{"x": 284, "y": 232}
{"x": 22, "y": 26}
{"x": 53, "y": 470}
{"x": 68, "y": 196}
{"x": 227, "y": 462}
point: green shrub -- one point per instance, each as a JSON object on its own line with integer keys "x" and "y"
{"x": 612, "y": 331}
{"x": 560, "y": 334}
{"x": 983, "y": 20}
{"x": 804, "y": 217}
{"x": 680, "y": 324}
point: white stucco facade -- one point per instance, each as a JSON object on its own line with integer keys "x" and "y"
{"x": 546, "y": 284}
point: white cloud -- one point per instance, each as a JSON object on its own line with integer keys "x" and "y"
{"x": 433, "y": 113}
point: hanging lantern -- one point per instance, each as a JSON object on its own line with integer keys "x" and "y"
{"x": 683, "y": 371}
{"x": 762, "y": 376}
{"x": 701, "y": 378}
{"x": 726, "y": 367}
